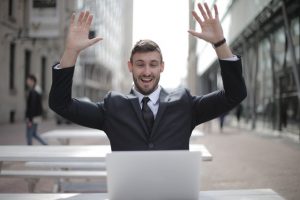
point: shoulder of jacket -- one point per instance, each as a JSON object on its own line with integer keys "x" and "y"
{"x": 177, "y": 94}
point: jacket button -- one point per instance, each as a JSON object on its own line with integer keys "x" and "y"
{"x": 150, "y": 145}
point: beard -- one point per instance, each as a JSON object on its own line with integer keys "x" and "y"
{"x": 145, "y": 90}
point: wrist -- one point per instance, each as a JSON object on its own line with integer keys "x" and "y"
{"x": 223, "y": 51}
{"x": 219, "y": 43}
{"x": 69, "y": 58}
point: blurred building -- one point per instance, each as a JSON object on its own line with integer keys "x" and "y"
{"x": 32, "y": 34}
{"x": 32, "y": 38}
{"x": 192, "y": 80}
{"x": 104, "y": 66}
{"x": 266, "y": 35}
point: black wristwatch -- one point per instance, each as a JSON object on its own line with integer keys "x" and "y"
{"x": 221, "y": 42}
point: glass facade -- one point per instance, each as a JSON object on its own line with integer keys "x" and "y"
{"x": 269, "y": 65}
{"x": 273, "y": 100}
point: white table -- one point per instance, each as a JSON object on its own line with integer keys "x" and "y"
{"x": 64, "y": 136}
{"x": 59, "y": 153}
{"x": 91, "y": 153}
{"x": 255, "y": 194}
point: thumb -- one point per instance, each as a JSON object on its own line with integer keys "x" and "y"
{"x": 196, "y": 34}
{"x": 94, "y": 40}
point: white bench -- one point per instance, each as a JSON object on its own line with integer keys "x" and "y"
{"x": 68, "y": 165}
{"x": 64, "y": 136}
{"x": 33, "y": 176}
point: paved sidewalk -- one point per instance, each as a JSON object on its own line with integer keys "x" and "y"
{"x": 247, "y": 160}
{"x": 242, "y": 160}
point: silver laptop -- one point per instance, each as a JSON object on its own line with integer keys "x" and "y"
{"x": 153, "y": 175}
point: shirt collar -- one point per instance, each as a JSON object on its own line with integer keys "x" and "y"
{"x": 154, "y": 96}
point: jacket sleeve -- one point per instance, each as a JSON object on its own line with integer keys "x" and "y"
{"x": 60, "y": 101}
{"x": 216, "y": 103}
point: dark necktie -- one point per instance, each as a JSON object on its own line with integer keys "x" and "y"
{"x": 147, "y": 114}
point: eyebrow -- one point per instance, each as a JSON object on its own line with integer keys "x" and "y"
{"x": 144, "y": 61}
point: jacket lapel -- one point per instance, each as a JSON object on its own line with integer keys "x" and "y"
{"x": 161, "y": 109}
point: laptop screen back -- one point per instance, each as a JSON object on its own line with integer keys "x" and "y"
{"x": 153, "y": 175}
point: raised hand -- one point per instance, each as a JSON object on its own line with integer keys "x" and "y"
{"x": 211, "y": 29}
{"x": 77, "y": 39}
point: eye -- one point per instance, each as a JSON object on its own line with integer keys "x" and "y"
{"x": 154, "y": 64}
{"x": 140, "y": 64}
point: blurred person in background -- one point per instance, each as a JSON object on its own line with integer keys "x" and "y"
{"x": 34, "y": 110}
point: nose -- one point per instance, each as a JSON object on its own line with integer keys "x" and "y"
{"x": 147, "y": 70}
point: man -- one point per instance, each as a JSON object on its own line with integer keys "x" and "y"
{"x": 33, "y": 111}
{"x": 149, "y": 118}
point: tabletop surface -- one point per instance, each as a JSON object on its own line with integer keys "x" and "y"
{"x": 78, "y": 153}
{"x": 253, "y": 194}
{"x": 85, "y": 133}
{"x": 54, "y": 153}
{"x": 73, "y": 133}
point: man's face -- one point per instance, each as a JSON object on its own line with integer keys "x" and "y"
{"x": 146, "y": 68}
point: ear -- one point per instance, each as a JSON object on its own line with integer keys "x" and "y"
{"x": 162, "y": 66}
{"x": 129, "y": 64}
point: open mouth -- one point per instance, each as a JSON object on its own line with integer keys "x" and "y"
{"x": 146, "y": 80}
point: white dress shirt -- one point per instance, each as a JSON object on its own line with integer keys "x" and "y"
{"x": 154, "y": 99}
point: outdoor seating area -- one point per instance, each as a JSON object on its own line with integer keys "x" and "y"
{"x": 79, "y": 171}
{"x": 62, "y": 162}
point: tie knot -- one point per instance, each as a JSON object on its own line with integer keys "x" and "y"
{"x": 145, "y": 100}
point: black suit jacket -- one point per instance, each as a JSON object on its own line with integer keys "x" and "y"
{"x": 120, "y": 117}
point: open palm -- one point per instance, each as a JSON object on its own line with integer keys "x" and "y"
{"x": 77, "y": 38}
{"x": 211, "y": 30}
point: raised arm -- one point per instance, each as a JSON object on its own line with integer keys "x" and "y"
{"x": 211, "y": 30}
{"x": 60, "y": 98}
{"x": 77, "y": 39}
{"x": 234, "y": 90}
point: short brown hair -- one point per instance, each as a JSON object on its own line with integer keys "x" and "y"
{"x": 144, "y": 46}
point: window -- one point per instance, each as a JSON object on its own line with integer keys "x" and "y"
{"x": 10, "y": 8}
{"x": 43, "y": 74}
{"x": 44, "y": 4}
{"x": 12, "y": 49}
{"x": 27, "y": 65}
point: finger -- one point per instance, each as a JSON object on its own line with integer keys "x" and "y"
{"x": 89, "y": 22}
{"x": 208, "y": 10}
{"x": 202, "y": 11}
{"x": 216, "y": 11}
{"x": 85, "y": 17}
{"x": 197, "y": 18}
{"x": 79, "y": 22}
{"x": 72, "y": 19}
{"x": 94, "y": 40}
